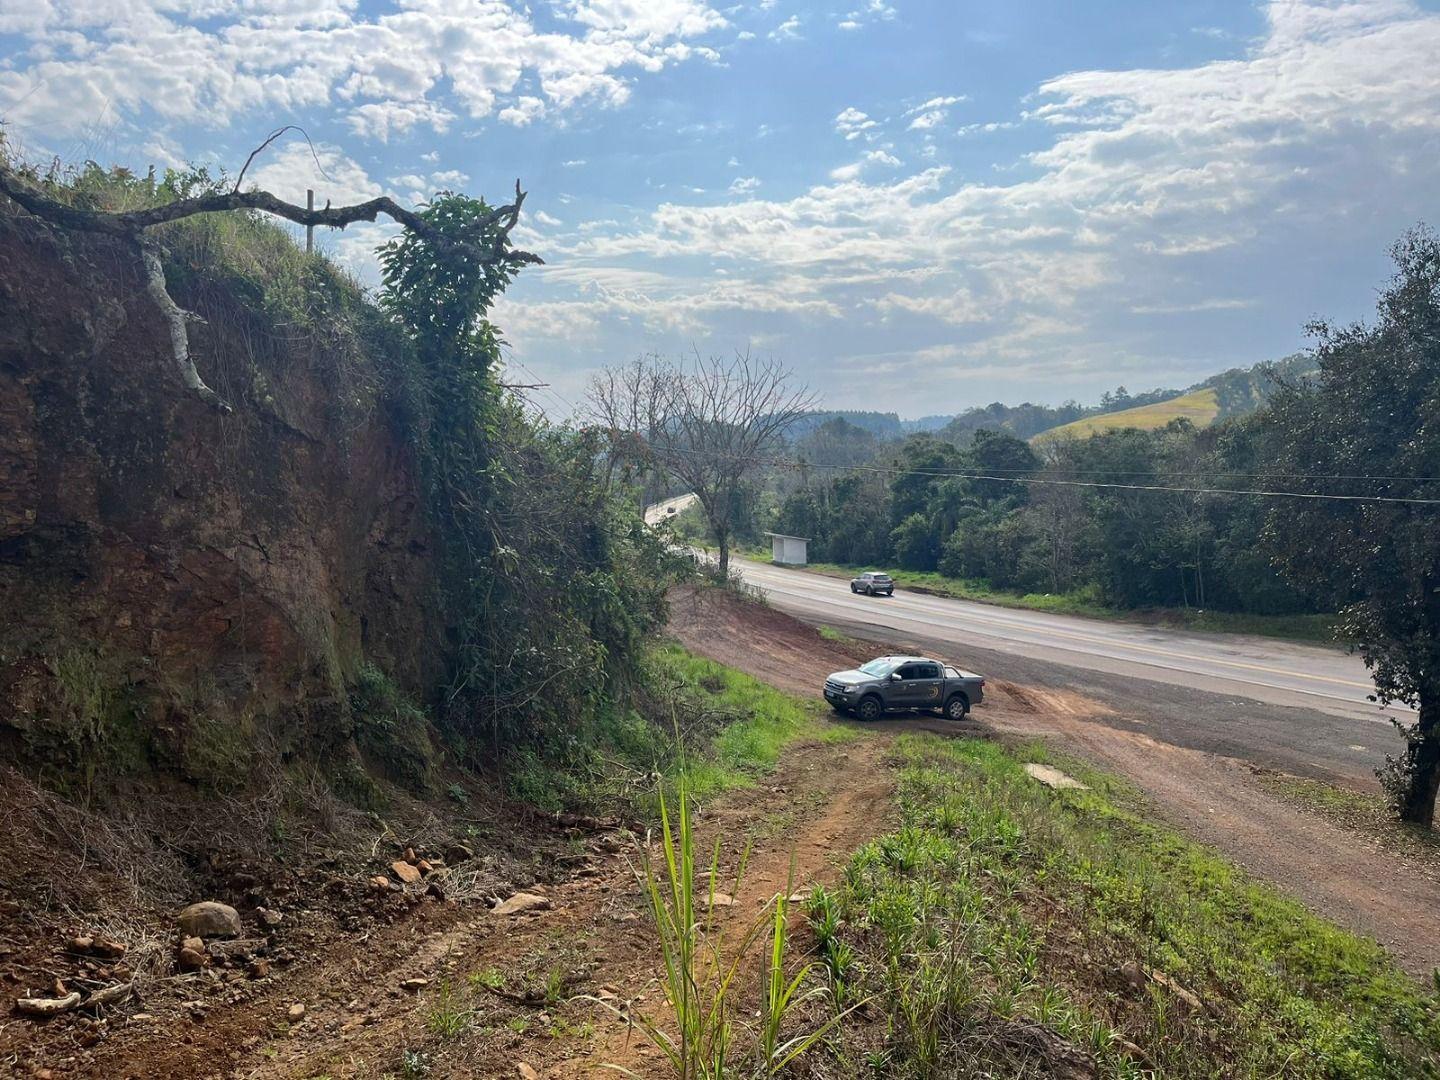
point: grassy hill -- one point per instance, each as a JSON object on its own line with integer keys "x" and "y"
{"x": 1200, "y": 407}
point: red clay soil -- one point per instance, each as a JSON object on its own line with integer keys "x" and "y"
{"x": 498, "y": 990}
{"x": 1340, "y": 873}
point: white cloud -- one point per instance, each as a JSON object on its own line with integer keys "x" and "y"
{"x": 574, "y": 163}
{"x": 744, "y": 185}
{"x": 852, "y": 123}
{"x": 523, "y": 111}
{"x": 1159, "y": 195}
{"x": 419, "y": 63}
{"x": 789, "y": 30}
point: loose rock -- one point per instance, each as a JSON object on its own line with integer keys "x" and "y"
{"x": 405, "y": 872}
{"x": 191, "y": 960}
{"x": 295, "y": 1012}
{"x": 522, "y": 901}
{"x": 415, "y": 985}
{"x": 526, "y": 1072}
{"x": 458, "y": 853}
{"x": 209, "y": 919}
{"x": 1053, "y": 778}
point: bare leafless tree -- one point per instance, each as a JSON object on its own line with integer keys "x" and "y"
{"x": 707, "y": 422}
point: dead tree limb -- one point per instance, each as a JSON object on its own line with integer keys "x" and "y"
{"x": 130, "y": 225}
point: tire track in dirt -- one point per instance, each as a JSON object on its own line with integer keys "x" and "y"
{"x": 824, "y": 801}
{"x": 1339, "y": 873}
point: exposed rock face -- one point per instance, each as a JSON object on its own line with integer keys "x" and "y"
{"x": 235, "y": 564}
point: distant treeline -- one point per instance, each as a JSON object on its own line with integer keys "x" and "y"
{"x": 1238, "y": 391}
{"x": 864, "y": 498}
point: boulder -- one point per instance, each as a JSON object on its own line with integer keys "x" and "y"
{"x": 209, "y": 919}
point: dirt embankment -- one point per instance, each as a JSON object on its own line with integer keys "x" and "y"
{"x": 1340, "y": 873}
{"x": 160, "y": 559}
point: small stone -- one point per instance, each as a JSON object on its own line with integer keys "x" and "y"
{"x": 525, "y": 1072}
{"x": 209, "y": 919}
{"x": 190, "y": 960}
{"x": 405, "y": 872}
{"x": 295, "y": 1013}
{"x": 1132, "y": 975}
{"x": 721, "y": 899}
{"x": 522, "y": 901}
{"x": 458, "y": 853}
{"x": 195, "y": 943}
{"x": 1053, "y": 778}
{"x": 409, "y": 856}
{"x": 424, "y": 866}
{"x": 269, "y": 918}
{"x": 379, "y": 883}
{"x": 259, "y": 968}
{"x": 414, "y": 985}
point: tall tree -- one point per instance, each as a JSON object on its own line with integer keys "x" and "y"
{"x": 1374, "y": 412}
{"x": 710, "y": 423}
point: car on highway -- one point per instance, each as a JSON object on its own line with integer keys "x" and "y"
{"x": 873, "y": 583}
{"x": 890, "y": 683}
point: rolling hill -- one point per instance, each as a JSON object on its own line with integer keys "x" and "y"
{"x": 1230, "y": 393}
{"x": 1200, "y": 407}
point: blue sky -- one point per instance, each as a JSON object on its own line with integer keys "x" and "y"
{"x": 918, "y": 205}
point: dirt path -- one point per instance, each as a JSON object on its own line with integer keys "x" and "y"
{"x": 1340, "y": 873}
{"x": 592, "y": 941}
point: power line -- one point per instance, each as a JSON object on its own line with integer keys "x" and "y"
{"x": 1055, "y": 482}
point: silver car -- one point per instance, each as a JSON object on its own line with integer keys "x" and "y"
{"x": 873, "y": 583}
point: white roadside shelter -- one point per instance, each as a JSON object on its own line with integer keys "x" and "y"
{"x": 788, "y": 550}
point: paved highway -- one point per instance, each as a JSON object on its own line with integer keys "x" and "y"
{"x": 1260, "y": 669}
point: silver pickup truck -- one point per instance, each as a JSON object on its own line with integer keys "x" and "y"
{"x": 904, "y": 682}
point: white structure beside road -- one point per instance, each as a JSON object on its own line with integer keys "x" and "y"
{"x": 788, "y": 550}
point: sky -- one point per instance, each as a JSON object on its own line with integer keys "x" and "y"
{"x": 917, "y": 205}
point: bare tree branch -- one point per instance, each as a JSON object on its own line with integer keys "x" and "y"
{"x": 130, "y": 225}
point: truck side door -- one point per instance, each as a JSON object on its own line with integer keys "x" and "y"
{"x": 919, "y": 687}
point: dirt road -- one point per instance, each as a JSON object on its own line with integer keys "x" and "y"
{"x": 1214, "y": 797}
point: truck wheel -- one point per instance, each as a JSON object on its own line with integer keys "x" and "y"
{"x": 957, "y": 707}
{"x": 869, "y": 708}
{"x": 869, "y": 590}
{"x": 852, "y": 587}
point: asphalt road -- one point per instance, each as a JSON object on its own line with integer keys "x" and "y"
{"x": 1301, "y": 708}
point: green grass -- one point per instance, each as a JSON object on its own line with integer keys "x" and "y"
{"x": 1000, "y": 906}
{"x": 728, "y": 727}
{"x": 1200, "y": 407}
{"x": 754, "y": 722}
{"x": 1316, "y": 628}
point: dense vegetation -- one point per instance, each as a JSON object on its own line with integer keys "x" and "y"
{"x": 929, "y": 509}
{"x": 546, "y": 586}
